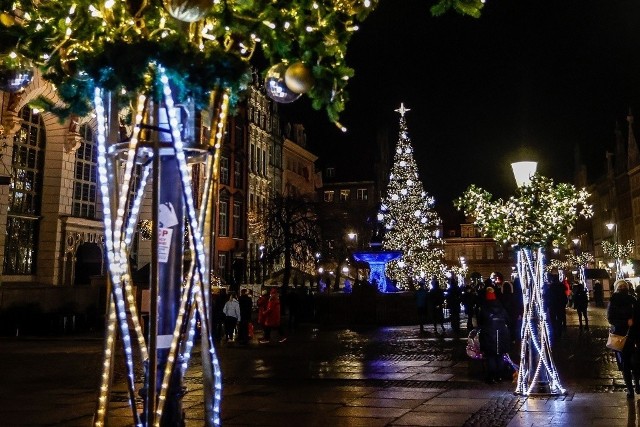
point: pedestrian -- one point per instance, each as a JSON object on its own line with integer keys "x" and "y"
{"x": 494, "y": 335}
{"x": 515, "y": 325}
{"x": 421, "y": 305}
{"x": 293, "y": 304}
{"x": 272, "y": 318}
{"x": 581, "y": 303}
{"x": 262, "y": 302}
{"x": 567, "y": 291}
{"x": 453, "y": 298}
{"x": 232, "y": 316}
{"x": 246, "y": 306}
{"x": 556, "y": 302}
{"x": 470, "y": 301}
{"x": 621, "y": 316}
{"x": 435, "y": 302}
{"x": 598, "y": 293}
{"x": 507, "y": 299}
{"x": 218, "y": 314}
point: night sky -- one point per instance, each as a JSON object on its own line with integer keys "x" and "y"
{"x": 539, "y": 77}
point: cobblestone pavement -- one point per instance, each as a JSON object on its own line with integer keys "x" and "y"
{"x": 387, "y": 376}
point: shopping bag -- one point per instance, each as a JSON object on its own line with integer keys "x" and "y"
{"x": 250, "y": 330}
{"x": 473, "y": 344}
{"x": 616, "y": 342}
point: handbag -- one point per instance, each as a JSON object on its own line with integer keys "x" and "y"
{"x": 473, "y": 344}
{"x": 616, "y": 342}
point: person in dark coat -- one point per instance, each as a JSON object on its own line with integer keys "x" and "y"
{"x": 598, "y": 293}
{"x": 218, "y": 314}
{"x": 581, "y": 303}
{"x": 494, "y": 334}
{"x": 435, "y": 302}
{"x": 469, "y": 298}
{"x": 421, "y": 304}
{"x": 246, "y": 307}
{"x": 556, "y": 305}
{"x": 621, "y": 315}
{"x": 453, "y": 298}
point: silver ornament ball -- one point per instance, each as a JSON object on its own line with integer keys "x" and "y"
{"x": 276, "y": 87}
{"x": 16, "y": 72}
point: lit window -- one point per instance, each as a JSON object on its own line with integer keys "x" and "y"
{"x": 328, "y": 196}
{"x": 344, "y": 195}
{"x": 362, "y": 194}
{"x": 86, "y": 176}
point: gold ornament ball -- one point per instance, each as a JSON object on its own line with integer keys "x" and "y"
{"x": 6, "y": 19}
{"x": 298, "y": 78}
{"x": 188, "y": 10}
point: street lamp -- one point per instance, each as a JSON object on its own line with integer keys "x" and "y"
{"x": 537, "y": 373}
{"x": 614, "y": 226}
{"x": 353, "y": 236}
{"x": 263, "y": 264}
{"x": 523, "y": 171}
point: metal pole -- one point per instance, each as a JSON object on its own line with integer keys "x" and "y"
{"x": 170, "y": 268}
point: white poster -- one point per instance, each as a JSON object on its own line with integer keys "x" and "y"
{"x": 164, "y": 243}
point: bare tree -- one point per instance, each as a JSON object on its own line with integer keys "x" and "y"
{"x": 292, "y": 234}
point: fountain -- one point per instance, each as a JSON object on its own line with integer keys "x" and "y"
{"x": 377, "y": 258}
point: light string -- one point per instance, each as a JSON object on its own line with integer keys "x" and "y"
{"x": 535, "y": 332}
{"x": 105, "y": 171}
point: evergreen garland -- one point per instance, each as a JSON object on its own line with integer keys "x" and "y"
{"x": 82, "y": 44}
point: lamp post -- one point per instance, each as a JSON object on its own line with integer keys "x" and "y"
{"x": 353, "y": 236}
{"x": 613, "y": 226}
{"x": 537, "y": 373}
{"x": 263, "y": 264}
{"x": 319, "y": 269}
{"x": 576, "y": 249}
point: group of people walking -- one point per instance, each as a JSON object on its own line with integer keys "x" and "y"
{"x": 233, "y": 316}
{"x": 494, "y": 310}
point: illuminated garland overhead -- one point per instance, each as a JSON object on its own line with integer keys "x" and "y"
{"x": 83, "y": 44}
{"x": 540, "y": 213}
{"x": 618, "y": 251}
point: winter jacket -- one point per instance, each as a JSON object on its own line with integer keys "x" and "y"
{"x": 246, "y": 305}
{"x": 262, "y": 303}
{"x": 494, "y": 328}
{"x": 232, "y": 309}
{"x": 580, "y": 298}
{"x": 421, "y": 298}
{"x": 621, "y": 309}
{"x": 272, "y": 315}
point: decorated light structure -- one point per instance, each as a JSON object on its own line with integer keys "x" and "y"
{"x": 539, "y": 214}
{"x": 618, "y": 252}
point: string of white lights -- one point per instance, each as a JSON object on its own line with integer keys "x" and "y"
{"x": 197, "y": 242}
{"x": 105, "y": 173}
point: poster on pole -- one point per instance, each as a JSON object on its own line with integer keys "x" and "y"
{"x": 164, "y": 244}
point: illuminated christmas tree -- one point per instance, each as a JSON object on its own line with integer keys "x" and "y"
{"x": 410, "y": 223}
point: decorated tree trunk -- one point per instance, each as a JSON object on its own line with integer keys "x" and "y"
{"x": 537, "y": 372}
{"x": 157, "y": 144}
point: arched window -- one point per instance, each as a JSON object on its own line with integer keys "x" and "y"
{"x": 25, "y": 195}
{"x": 85, "y": 184}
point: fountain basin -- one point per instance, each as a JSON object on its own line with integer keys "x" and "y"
{"x": 377, "y": 261}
